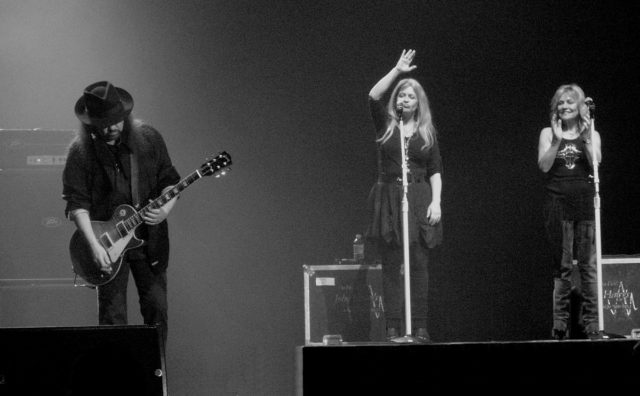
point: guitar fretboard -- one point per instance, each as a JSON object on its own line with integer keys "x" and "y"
{"x": 136, "y": 219}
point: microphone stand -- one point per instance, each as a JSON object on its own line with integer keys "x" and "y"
{"x": 596, "y": 206}
{"x": 407, "y": 338}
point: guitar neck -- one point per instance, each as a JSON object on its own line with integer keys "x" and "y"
{"x": 135, "y": 220}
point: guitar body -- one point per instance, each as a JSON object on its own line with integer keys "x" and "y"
{"x": 113, "y": 239}
{"x": 118, "y": 234}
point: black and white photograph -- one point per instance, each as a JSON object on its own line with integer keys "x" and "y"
{"x": 299, "y": 198}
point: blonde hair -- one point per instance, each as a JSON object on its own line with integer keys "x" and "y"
{"x": 584, "y": 121}
{"x": 422, "y": 115}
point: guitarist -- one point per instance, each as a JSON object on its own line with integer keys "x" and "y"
{"x": 111, "y": 151}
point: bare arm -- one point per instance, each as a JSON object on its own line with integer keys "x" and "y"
{"x": 403, "y": 66}
{"x": 81, "y": 218}
{"x": 547, "y": 149}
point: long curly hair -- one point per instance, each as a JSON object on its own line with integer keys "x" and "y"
{"x": 422, "y": 116}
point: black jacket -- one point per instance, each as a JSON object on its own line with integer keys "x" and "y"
{"x": 88, "y": 181}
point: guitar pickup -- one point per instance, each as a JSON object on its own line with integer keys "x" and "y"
{"x": 122, "y": 229}
{"x": 105, "y": 241}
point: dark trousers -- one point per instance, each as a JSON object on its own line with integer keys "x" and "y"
{"x": 393, "y": 284}
{"x": 152, "y": 293}
{"x": 578, "y": 236}
{"x": 571, "y": 234}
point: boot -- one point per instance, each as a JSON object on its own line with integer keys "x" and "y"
{"x": 423, "y": 335}
{"x": 559, "y": 334}
{"x": 392, "y": 333}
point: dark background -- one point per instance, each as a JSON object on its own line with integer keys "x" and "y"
{"x": 282, "y": 87}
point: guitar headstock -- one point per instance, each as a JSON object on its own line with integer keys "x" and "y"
{"x": 219, "y": 165}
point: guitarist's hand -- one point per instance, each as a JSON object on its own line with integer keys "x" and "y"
{"x": 154, "y": 216}
{"x": 101, "y": 258}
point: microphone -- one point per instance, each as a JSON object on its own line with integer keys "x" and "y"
{"x": 399, "y": 111}
{"x": 591, "y": 105}
{"x": 589, "y": 102}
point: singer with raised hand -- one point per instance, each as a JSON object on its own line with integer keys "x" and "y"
{"x": 565, "y": 152}
{"x": 406, "y": 111}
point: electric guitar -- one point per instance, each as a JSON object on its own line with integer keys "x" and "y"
{"x": 118, "y": 234}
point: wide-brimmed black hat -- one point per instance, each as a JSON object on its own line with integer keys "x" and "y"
{"x": 102, "y": 104}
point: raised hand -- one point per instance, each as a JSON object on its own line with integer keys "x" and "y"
{"x": 404, "y": 63}
{"x": 403, "y": 66}
{"x": 556, "y": 127}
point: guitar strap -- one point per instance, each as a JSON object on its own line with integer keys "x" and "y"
{"x": 134, "y": 180}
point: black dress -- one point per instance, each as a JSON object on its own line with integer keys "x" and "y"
{"x": 385, "y": 198}
{"x": 385, "y": 227}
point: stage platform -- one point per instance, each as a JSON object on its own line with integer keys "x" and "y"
{"x": 520, "y": 367}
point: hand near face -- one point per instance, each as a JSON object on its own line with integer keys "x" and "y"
{"x": 586, "y": 133}
{"x": 556, "y": 126}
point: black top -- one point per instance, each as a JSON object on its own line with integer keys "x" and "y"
{"x": 386, "y": 195}
{"x": 421, "y": 162}
{"x": 569, "y": 174}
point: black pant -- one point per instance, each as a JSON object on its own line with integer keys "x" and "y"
{"x": 393, "y": 284}
{"x": 152, "y": 293}
{"x": 571, "y": 234}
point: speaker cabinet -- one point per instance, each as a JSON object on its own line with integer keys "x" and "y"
{"x": 620, "y": 288}
{"x": 34, "y": 236}
{"x": 71, "y": 361}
